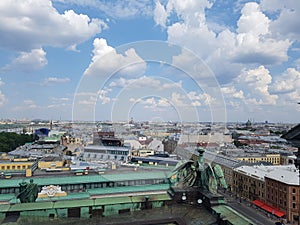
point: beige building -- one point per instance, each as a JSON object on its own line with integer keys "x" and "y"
{"x": 274, "y": 189}
{"x": 248, "y": 182}
{"x": 51, "y": 163}
{"x": 282, "y": 192}
{"x": 69, "y": 140}
{"x": 271, "y": 158}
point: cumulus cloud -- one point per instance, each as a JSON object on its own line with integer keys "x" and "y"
{"x": 34, "y": 22}
{"x": 253, "y": 42}
{"x": 286, "y": 24}
{"x": 288, "y": 85}
{"x": 28, "y": 61}
{"x": 102, "y": 95}
{"x": 160, "y": 14}
{"x": 107, "y": 61}
{"x": 157, "y": 104}
{"x": 255, "y": 85}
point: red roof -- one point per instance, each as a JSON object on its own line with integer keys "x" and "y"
{"x": 268, "y": 208}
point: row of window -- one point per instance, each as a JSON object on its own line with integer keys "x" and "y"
{"x": 14, "y": 167}
{"x": 272, "y": 160}
{"x": 105, "y": 157}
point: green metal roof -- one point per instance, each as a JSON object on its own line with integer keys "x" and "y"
{"x": 135, "y": 176}
{"x": 69, "y": 196}
{"x": 6, "y": 197}
{"x": 126, "y": 189}
{"x": 84, "y": 199}
{"x": 229, "y": 214}
{"x": 60, "y": 180}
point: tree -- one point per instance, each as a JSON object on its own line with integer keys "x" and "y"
{"x": 10, "y": 141}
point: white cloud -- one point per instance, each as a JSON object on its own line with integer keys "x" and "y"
{"x": 178, "y": 100}
{"x": 255, "y": 84}
{"x": 28, "y": 61}
{"x": 117, "y": 8}
{"x": 55, "y": 80}
{"x": 288, "y": 85}
{"x": 286, "y": 24}
{"x": 2, "y": 96}
{"x": 106, "y": 61}
{"x": 2, "y": 99}
{"x": 160, "y": 14}
{"x": 157, "y": 104}
{"x": 141, "y": 82}
{"x": 30, "y": 104}
{"x": 253, "y": 21}
{"x": 102, "y": 96}
{"x": 232, "y": 92}
{"x": 27, "y": 25}
{"x": 253, "y": 42}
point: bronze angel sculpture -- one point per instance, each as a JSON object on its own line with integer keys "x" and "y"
{"x": 196, "y": 173}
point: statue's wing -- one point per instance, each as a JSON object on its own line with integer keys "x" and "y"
{"x": 180, "y": 166}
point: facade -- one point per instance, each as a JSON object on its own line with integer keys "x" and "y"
{"x": 87, "y": 196}
{"x": 16, "y": 167}
{"x": 275, "y": 189}
{"x": 69, "y": 140}
{"x": 106, "y": 147}
{"x": 51, "y": 162}
{"x": 282, "y": 192}
{"x": 275, "y": 159}
{"x": 94, "y": 153}
{"x": 249, "y": 182}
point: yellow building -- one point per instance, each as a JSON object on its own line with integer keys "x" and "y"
{"x": 9, "y": 166}
{"x": 272, "y": 158}
{"x": 143, "y": 152}
{"x": 51, "y": 163}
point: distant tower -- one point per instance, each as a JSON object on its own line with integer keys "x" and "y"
{"x": 131, "y": 121}
{"x": 51, "y": 124}
{"x": 248, "y": 124}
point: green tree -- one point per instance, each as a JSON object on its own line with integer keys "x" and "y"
{"x": 10, "y": 141}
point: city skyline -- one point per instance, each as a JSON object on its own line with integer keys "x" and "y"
{"x": 158, "y": 60}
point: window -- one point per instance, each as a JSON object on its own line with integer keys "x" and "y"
{"x": 294, "y": 198}
{"x": 294, "y": 190}
{"x": 294, "y": 205}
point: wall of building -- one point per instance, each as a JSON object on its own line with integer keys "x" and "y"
{"x": 272, "y": 158}
{"x": 248, "y": 187}
{"x": 15, "y": 166}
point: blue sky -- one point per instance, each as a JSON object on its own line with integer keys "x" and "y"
{"x": 179, "y": 60}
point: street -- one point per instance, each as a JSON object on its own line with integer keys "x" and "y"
{"x": 247, "y": 209}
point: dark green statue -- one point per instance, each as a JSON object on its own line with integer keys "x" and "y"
{"x": 196, "y": 173}
{"x": 28, "y": 192}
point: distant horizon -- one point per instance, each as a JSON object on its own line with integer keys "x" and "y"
{"x": 143, "y": 121}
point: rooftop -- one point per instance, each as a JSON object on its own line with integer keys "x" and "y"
{"x": 286, "y": 174}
